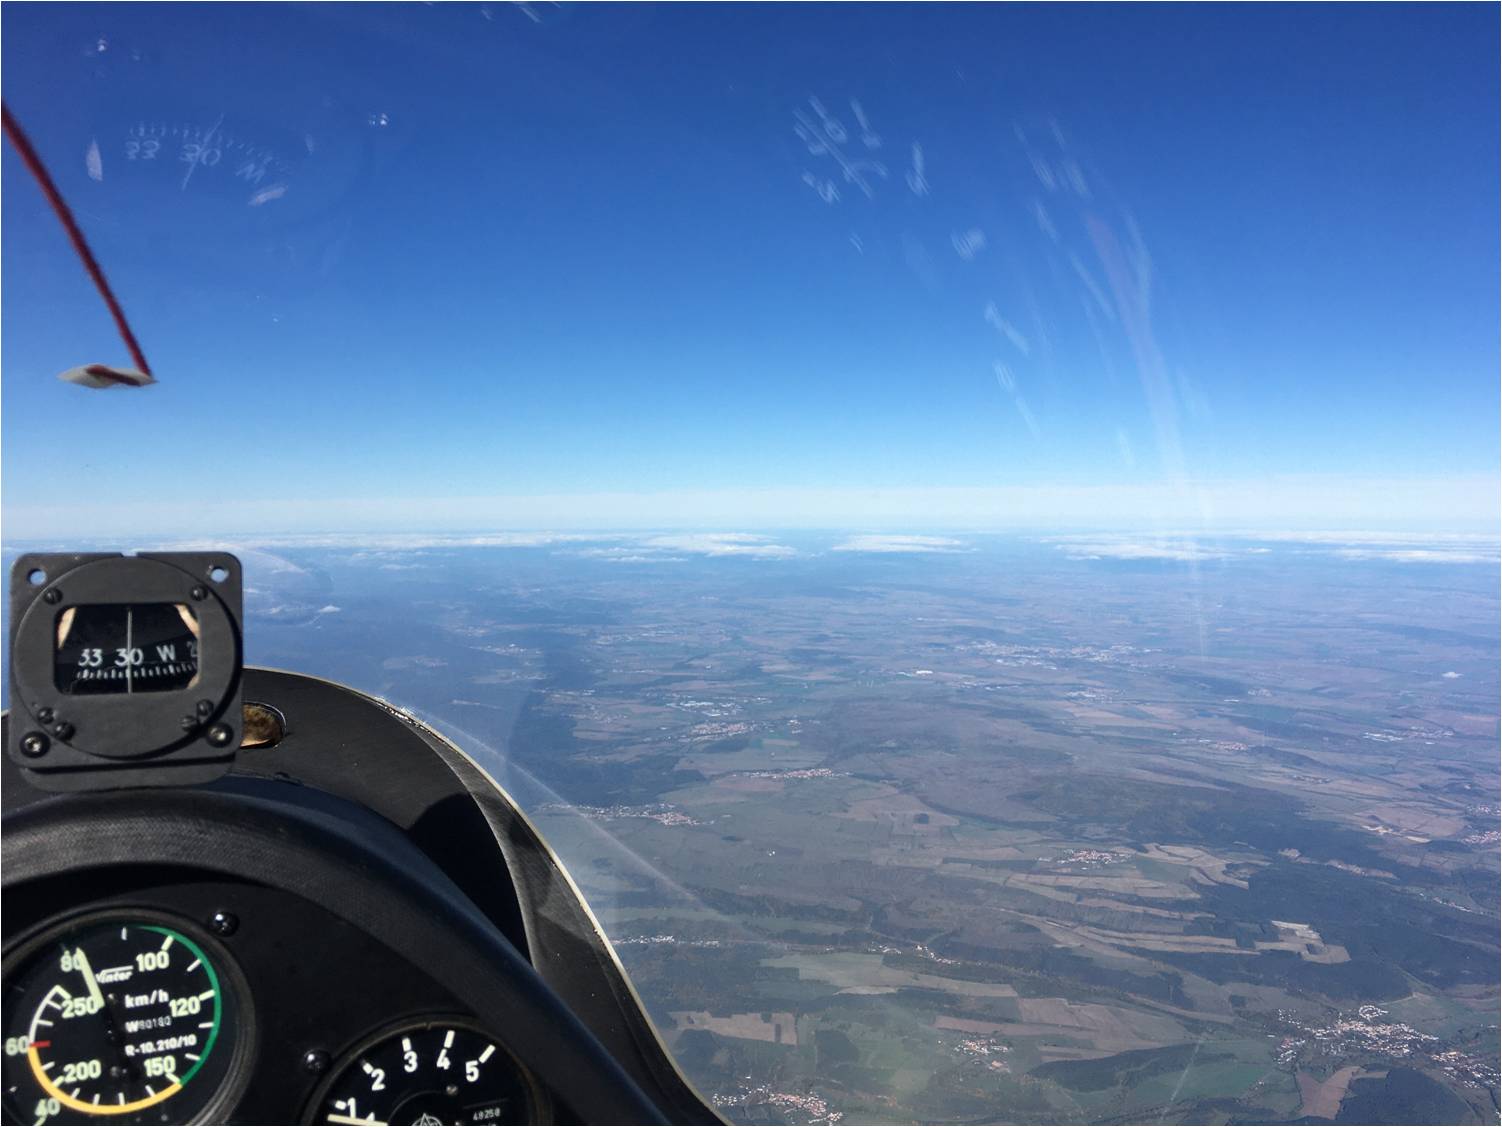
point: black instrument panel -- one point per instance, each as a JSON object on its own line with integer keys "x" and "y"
{"x": 308, "y": 991}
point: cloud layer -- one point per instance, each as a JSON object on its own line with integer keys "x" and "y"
{"x": 395, "y": 551}
{"x": 1097, "y": 548}
{"x": 1273, "y": 503}
{"x": 1452, "y": 548}
{"x": 900, "y": 544}
{"x": 720, "y": 544}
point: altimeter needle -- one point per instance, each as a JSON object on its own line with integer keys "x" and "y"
{"x": 334, "y": 1117}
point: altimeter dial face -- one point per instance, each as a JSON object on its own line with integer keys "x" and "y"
{"x": 440, "y": 1072}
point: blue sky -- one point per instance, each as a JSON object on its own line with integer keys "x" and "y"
{"x": 523, "y": 266}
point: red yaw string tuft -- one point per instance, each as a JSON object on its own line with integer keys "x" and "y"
{"x": 28, "y": 155}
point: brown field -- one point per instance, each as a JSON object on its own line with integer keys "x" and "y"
{"x": 1474, "y": 725}
{"x": 1419, "y": 820}
{"x": 1159, "y": 941}
{"x": 1108, "y": 1028}
{"x": 1141, "y": 909}
{"x": 778, "y": 1028}
{"x": 1207, "y": 867}
{"x": 899, "y": 809}
{"x": 1306, "y": 943}
{"x": 866, "y": 974}
{"x": 1322, "y": 1098}
{"x": 742, "y": 784}
{"x": 1050, "y": 1053}
{"x": 1123, "y": 885}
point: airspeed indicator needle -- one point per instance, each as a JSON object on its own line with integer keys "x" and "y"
{"x": 82, "y": 960}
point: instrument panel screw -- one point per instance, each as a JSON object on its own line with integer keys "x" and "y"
{"x": 315, "y": 1061}
{"x": 45, "y": 715}
{"x": 224, "y": 923}
{"x": 52, "y": 596}
{"x": 220, "y": 735}
{"x": 205, "y": 707}
{"x": 198, "y": 594}
{"x": 63, "y": 730}
{"x": 33, "y": 744}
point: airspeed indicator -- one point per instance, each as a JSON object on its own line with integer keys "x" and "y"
{"x": 115, "y": 1019}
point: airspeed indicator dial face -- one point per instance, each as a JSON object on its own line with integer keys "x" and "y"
{"x": 433, "y": 1073}
{"x": 118, "y": 1020}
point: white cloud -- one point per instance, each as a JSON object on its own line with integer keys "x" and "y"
{"x": 606, "y": 553}
{"x": 900, "y": 544}
{"x": 1398, "y": 547}
{"x": 668, "y": 548}
{"x": 371, "y": 542}
{"x": 1402, "y": 547}
{"x": 1161, "y": 552}
{"x": 379, "y": 545}
{"x": 282, "y": 611}
{"x": 635, "y": 554}
{"x": 1450, "y": 676}
{"x": 721, "y": 544}
{"x": 1173, "y": 546}
{"x": 1417, "y": 555}
{"x": 1386, "y": 539}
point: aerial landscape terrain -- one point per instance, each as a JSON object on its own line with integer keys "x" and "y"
{"x": 982, "y": 829}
